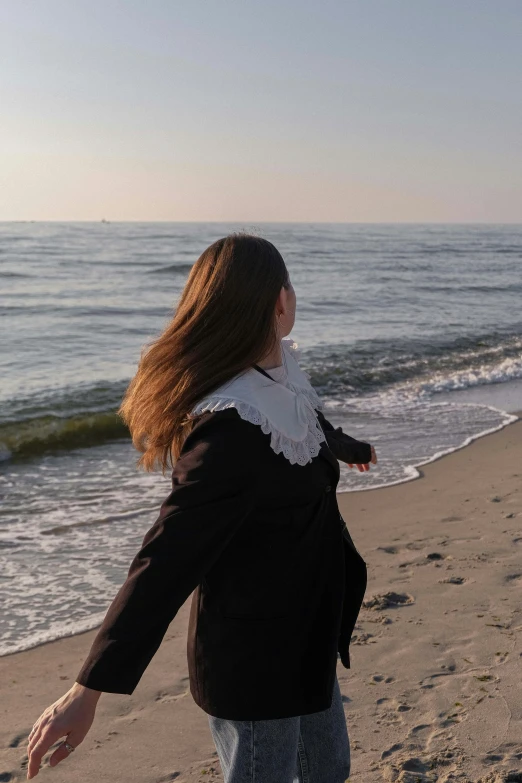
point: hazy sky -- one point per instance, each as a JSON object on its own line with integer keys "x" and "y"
{"x": 290, "y": 110}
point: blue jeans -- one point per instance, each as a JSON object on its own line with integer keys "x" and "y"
{"x": 305, "y": 749}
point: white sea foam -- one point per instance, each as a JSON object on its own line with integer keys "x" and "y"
{"x": 57, "y": 630}
{"x": 509, "y": 369}
{"x": 422, "y": 389}
{"x": 411, "y": 472}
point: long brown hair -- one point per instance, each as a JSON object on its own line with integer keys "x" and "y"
{"x": 224, "y": 322}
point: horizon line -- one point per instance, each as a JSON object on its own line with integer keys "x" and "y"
{"x": 290, "y": 222}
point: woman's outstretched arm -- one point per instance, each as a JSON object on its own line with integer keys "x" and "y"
{"x": 213, "y": 491}
{"x": 214, "y": 486}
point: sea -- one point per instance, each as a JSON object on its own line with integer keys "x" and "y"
{"x": 412, "y": 335}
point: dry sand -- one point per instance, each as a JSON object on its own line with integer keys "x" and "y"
{"x": 434, "y": 693}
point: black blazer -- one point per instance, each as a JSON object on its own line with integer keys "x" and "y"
{"x": 277, "y": 582}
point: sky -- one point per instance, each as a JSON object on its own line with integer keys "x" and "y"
{"x": 280, "y": 110}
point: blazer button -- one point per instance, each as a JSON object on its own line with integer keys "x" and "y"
{"x": 328, "y": 488}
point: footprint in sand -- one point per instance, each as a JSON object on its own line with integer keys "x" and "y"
{"x": 394, "y": 748}
{"x": 177, "y": 691}
{"x": 431, "y": 680}
{"x": 413, "y": 770}
{"x": 502, "y": 776}
{"x": 380, "y": 618}
{"x": 454, "y": 580}
{"x": 491, "y": 758}
{"x": 451, "y": 718}
{"x": 166, "y": 696}
{"x": 415, "y": 765}
{"x": 363, "y": 638}
{"x": 378, "y": 678}
{"x": 420, "y": 727}
{"x": 504, "y": 754}
{"x": 18, "y": 738}
{"x": 388, "y": 601}
{"x": 415, "y": 545}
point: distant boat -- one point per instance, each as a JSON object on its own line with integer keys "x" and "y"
{"x": 105, "y": 221}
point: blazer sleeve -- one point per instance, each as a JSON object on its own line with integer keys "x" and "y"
{"x": 345, "y": 448}
{"x": 214, "y": 488}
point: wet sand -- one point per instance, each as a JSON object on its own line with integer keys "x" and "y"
{"x": 434, "y": 693}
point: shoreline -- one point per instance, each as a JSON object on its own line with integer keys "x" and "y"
{"x": 514, "y": 417}
{"x": 93, "y": 623}
{"x": 435, "y": 687}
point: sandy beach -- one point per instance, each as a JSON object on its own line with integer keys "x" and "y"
{"x": 434, "y": 693}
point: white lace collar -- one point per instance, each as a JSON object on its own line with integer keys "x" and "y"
{"x": 284, "y": 408}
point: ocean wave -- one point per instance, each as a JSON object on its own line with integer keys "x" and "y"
{"x": 175, "y": 269}
{"x": 420, "y": 366}
{"x": 43, "y": 434}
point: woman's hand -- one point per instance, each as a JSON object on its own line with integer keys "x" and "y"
{"x": 362, "y": 468}
{"x": 69, "y": 717}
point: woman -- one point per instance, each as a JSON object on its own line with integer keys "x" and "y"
{"x": 251, "y": 528}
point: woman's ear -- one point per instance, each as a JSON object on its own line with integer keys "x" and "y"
{"x": 282, "y": 301}
{"x": 285, "y": 310}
